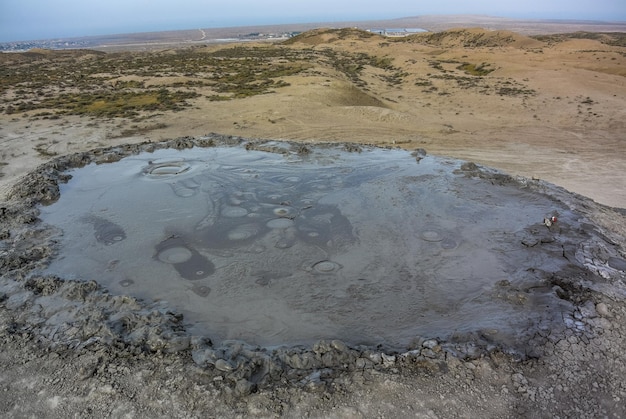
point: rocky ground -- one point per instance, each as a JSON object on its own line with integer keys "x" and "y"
{"x": 550, "y": 109}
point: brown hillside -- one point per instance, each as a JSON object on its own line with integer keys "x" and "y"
{"x": 36, "y": 54}
{"x": 476, "y": 38}
{"x": 608, "y": 38}
{"x": 327, "y": 36}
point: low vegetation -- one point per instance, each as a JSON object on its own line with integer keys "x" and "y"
{"x": 476, "y": 70}
{"x": 136, "y": 85}
{"x": 449, "y": 73}
{"x": 608, "y": 38}
{"x": 109, "y": 104}
{"x": 123, "y": 84}
{"x": 129, "y": 84}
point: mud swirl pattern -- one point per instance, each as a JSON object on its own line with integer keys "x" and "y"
{"x": 271, "y": 245}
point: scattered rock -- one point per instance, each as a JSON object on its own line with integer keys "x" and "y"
{"x": 602, "y": 310}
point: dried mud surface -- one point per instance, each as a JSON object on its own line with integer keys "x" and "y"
{"x": 551, "y": 109}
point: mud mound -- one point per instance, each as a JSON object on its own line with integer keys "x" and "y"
{"x": 548, "y": 269}
{"x": 475, "y": 38}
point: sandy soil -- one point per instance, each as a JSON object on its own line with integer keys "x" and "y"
{"x": 569, "y": 131}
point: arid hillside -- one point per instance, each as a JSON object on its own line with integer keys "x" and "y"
{"x": 549, "y": 106}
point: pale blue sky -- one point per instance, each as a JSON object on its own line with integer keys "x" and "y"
{"x": 43, "y": 19}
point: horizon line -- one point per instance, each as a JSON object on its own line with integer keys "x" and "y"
{"x": 347, "y": 21}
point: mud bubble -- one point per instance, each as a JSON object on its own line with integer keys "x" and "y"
{"x": 258, "y": 257}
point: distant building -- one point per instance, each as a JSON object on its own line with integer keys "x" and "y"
{"x": 397, "y": 32}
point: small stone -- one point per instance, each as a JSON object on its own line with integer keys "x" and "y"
{"x": 177, "y": 344}
{"x": 388, "y": 360}
{"x": 376, "y": 358}
{"x": 339, "y": 345}
{"x": 329, "y": 359}
{"x": 588, "y": 310}
{"x": 223, "y": 365}
{"x": 203, "y": 356}
{"x": 243, "y": 387}
{"x": 429, "y": 353}
{"x": 430, "y": 343}
{"x": 602, "y": 310}
{"x": 519, "y": 379}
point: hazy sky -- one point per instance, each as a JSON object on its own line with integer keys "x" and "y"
{"x": 42, "y": 19}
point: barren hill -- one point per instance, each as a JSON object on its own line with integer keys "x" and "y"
{"x": 608, "y": 38}
{"x": 475, "y": 37}
{"x": 327, "y": 36}
{"x": 451, "y": 38}
{"x": 36, "y": 54}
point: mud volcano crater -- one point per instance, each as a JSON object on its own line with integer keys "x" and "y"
{"x": 265, "y": 256}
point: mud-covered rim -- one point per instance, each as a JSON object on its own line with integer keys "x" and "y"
{"x": 131, "y": 324}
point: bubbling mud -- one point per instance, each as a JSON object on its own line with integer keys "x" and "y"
{"x": 274, "y": 247}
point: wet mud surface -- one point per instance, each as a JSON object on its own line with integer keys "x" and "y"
{"x": 269, "y": 263}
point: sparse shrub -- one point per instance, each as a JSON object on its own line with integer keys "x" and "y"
{"x": 476, "y": 70}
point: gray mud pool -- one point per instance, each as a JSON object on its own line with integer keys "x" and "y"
{"x": 274, "y": 247}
